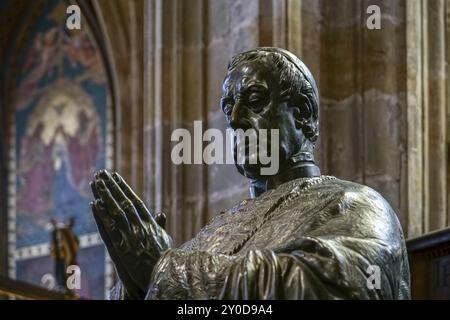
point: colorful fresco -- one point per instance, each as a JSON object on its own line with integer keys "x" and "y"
{"x": 59, "y": 151}
{"x": 62, "y": 103}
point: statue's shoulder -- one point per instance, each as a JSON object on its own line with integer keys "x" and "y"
{"x": 359, "y": 208}
{"x": 353, "y": 194}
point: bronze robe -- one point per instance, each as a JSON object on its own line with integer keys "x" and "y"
{"x": 310, "y": 238}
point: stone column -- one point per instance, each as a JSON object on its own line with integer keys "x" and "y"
{"x": 434, "y": 114}
{"x": 175, "y": 97}
{"x": 427, "y": 127}
{"x": 413, "y": 187}
{"x": 122, "y": 24}
{"x": 361, "y": 75}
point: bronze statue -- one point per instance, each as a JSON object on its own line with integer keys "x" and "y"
{"x": 302, "y": 235}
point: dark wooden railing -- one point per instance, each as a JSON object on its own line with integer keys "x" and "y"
{"x": 13, "y": 289}
{"x": 429, "y": 257}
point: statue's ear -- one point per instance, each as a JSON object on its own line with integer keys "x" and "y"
{"x": 302, "y": 111}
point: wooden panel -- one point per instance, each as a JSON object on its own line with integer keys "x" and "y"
{"x": 429, "y": 257}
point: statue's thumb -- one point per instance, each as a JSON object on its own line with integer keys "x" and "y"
{"x": 161, "y": 219}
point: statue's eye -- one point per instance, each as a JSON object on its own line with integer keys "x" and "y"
{"x": 255, "y": 98}
{"x": 257, "y": 101}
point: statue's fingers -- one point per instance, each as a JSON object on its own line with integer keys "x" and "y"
{"x": 119, "y": 203}
{"x": 99, "y": 214}
{"x": 161, "y": 219}
{"x": 99, "y": 211}
{"x": 144, "y": 213}
{"x": 120, "y": 239}
{"x": 114, "y": 213}
{"x": 94, "y": 190}
{"x": 113, "y": 187}
{"x": 115, "y": 227}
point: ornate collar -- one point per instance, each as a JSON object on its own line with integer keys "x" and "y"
{"x": 296, "y": 170}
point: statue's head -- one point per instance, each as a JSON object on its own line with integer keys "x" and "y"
{"x": 270, "y": 88}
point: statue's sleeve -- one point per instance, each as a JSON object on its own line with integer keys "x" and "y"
{"x": 181, "y": 274}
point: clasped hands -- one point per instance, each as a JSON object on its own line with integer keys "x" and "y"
{"x": 134, "y": 238}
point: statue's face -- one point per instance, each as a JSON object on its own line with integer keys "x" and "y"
{"x": 251, "y": 99}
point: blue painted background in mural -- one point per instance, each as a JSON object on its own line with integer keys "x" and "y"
{"x": 61, "y": 106}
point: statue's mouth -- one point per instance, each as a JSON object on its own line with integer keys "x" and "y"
{"x": 252, "y": 150}
{"x": 257, "y": 150}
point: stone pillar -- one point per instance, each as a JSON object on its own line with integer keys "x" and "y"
{"x": 383, "y": 105}
{"x": 413, "y": 187}
{"x": 361, "y": 75}
{"x": 428, "y": 164}
{"x": 447, "y": 151}
{"x": 434, "y": 114}
{"x": 175, "y": 80}
{"x": 427, "y": 116}
{"x": 122, "y": 24}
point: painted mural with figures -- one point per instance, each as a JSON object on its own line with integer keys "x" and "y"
{"x": 62, "y": 102}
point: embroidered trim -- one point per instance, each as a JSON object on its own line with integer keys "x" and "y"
{"x": 281, "y": 202}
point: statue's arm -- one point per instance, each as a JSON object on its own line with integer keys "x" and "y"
{"x": 183, "y": 274}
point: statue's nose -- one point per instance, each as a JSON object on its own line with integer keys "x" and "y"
{"x": 240, "y": 117}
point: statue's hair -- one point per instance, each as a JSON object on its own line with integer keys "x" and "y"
{"x": 296, "y": 81}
